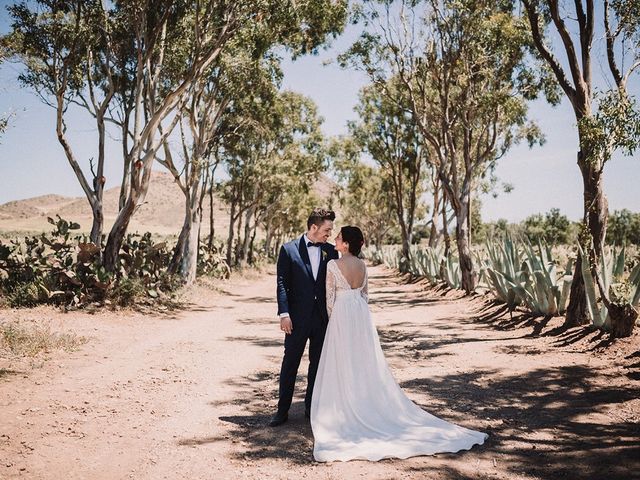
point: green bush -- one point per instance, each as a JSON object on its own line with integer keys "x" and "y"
{"x": 623, "y": 228}
{"x": 59, "y": 268}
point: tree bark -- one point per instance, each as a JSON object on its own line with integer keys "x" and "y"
{"x": 116, "y": 235}
{"x": 231, "y": 233}
{"x": 435, "y": 212}
{"x": 595, "y": 219}
{"x": 244, "y": 250}
{"x": 176, "y": 259}
{"x": 211, "y": 219}
{"x": 467, "y": 272}
{"x": 445, "y": 227}
{"x": 189, "y": 264}
{"x": 185, "y": 258}
{"x": 98, "y": 222}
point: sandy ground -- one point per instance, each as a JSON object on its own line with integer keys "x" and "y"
{"x": 189, "y": 395}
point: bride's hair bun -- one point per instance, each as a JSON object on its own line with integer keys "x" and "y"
{"x": 354, "y": 237}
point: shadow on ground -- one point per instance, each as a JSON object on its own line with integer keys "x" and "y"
{"x": 541, "y": 424}
{"x": 544, "y": 422}
{"x": 547, "y": 423}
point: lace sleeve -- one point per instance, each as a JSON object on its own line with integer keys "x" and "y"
{"x": 365, "y": 286}
{"x": 331, "y": 289}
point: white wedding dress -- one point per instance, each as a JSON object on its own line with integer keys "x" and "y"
{"x": 358, "y": 411}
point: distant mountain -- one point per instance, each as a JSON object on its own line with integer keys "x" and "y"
{"x": 162, "y": 212}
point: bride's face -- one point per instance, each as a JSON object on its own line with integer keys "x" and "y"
{"x": 341, "y": 246}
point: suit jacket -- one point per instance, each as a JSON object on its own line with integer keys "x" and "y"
{"x": 297, "y": 291}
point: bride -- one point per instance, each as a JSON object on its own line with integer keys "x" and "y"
{"x": 358, "y": 411}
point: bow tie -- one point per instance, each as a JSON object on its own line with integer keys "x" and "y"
{"x": 314, "y": 244}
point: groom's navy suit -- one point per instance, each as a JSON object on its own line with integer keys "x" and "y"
{"x": 304, "y": 299}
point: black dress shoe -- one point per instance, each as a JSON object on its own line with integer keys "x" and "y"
{"x": 278, "y": 419}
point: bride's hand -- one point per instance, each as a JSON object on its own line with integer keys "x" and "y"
{"x": 285, "y": 325}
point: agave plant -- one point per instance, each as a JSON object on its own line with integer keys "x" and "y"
{"x": 524, "y": 276}
{"x": 611, "y": 271}
{"x": 427, "y": 262}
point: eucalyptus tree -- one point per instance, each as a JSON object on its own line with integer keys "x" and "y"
{"x": 608, "y": 120}
{"x": 234, "y": 76}
{"x": 276, "y": 153}
{"x": 461, "y": 68}
{"x": 65, "y": 49}
{"x": 203, "y": 30}
{"x": 387, "y": 132}
{"x": 363, "y": 192}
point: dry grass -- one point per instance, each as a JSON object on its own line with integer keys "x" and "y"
{"x": 24, "y": 341}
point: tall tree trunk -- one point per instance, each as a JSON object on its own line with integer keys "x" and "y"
{"x": 247, "y": 234}
{"x": 189, "y": 264}
{"x": 445, "y": 227}
{"x": 435, "y": 213}
{"x": 405, "y": 234}
{"x": 267, "y": 240}
{"x": 99, "y": 179}
{"x": 239, "y": 242}
{"x": 185, "y": 257}
{"x": 211, "y": 218}
{"x": 595, "y": 219}
{"x": 254, "y": 231}
{"x": 463, "y": 241}
{"x": 176, "y": 259}
{"x": 137, "y": 193}
{"x": 98, "y": 222}
{"x": 126, "y": 173}
{"x": 117, "y": 233}
{"x": 232, "y": 217}
{"x": 406, "y": 246}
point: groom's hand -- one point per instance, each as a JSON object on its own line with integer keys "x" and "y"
{"x": 285, "y": 325}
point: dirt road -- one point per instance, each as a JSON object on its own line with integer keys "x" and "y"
{"x": 189, "y": 396}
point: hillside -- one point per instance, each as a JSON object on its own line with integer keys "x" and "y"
{"x": 162, "y": 212}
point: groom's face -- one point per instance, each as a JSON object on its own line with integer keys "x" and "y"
{"x": 321, "y": 233}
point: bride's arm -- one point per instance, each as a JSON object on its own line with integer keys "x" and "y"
{"x": 331, "y": 290}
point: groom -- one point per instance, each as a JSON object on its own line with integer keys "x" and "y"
{"x": 302, "y": 305}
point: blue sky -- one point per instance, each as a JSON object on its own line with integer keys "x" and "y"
{"x": 32, "y": 162}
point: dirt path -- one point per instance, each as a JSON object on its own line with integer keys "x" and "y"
{"x": 189, "y": 397}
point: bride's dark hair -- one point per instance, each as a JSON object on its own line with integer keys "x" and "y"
{"x": 353, "y": 236}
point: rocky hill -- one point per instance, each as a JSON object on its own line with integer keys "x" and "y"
{"x": 162, "y": 212}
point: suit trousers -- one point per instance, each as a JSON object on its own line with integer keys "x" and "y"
{"x": 294, "y": 345}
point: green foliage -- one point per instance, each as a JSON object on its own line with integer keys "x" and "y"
{"x": 134, "y": 64}
{"x": 621, "y": 283}
{"x": 553, "y": 227}
{"x": 211, "y": 262}
{"x": 60, "y": 268}
{"x": 460, "y": 75}
{"x": 387, "y": 132}
{"x": 144, "y": 261}
{"x": 363, "y": 192}
{"x": 614, "y": 126}
{"x": 272, "y": 156}
{"x": 522, "y": 275}
{"x": 427, "y": 262}
{"x": 623, "y": 228}
{"x": 52, "y": 268}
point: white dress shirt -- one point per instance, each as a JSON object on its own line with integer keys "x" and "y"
{"x": 314, "y": 257}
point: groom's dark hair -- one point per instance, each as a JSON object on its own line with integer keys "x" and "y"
{"x": 319, "y": 216}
